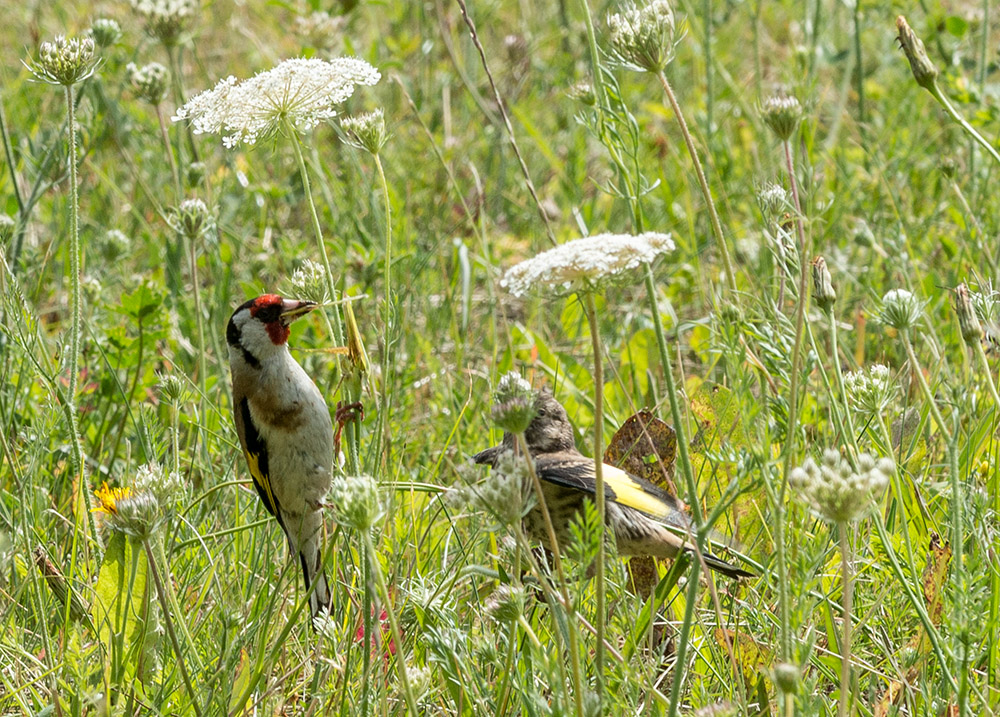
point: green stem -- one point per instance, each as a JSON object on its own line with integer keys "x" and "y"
{"x": 970, "y": 130}
{"x": 958, "y": 524}
{"x": 169, "y": 623}
{"x": 843, "y": 706}
{"x": 793, "y": 411}
{"x": 384, "y": 436}
{"x": 199, "y": 320}
{"x": 560, "y": 574}
{"x": 835, "y": 350}
{"x": 76, "y": 322}
{"x": 168, "y": 148}
{"x": 720, "y": 239}
{"x": 338, "y": 329}
{"x": 683, "y": 638}
{"x": 595, "y": 340}
{"x": 897, "y": 487}
{"x": 411, "y": 701}
{"x": 994, "y": 615}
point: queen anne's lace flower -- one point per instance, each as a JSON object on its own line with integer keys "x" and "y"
{"x": 166, "y": 20}
{"x": 300, "y": 93}
{"x": 591, "y": 260}
{"x": 65, "y": 61}
{"x": 838, "y": 492}
{"x": 642, "y": 36}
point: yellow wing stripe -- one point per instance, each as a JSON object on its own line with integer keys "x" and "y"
{"x": 629, "y": 492}
{"x": 262, "y": 481}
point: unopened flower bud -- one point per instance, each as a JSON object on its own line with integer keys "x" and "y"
{"x": 65, "y": 61}
{"x": 366, "y": 131}
{"x": 149, "y": 82}
{"x": 191, "y": 218}
{"x": 642, "y": 37}
{"x": 924, "y": 71}
{"x": 105, "y": 31}
{"x": 514, "y": 403}
{"x": 506, "y": 603}
{"x": 972, "y": 330}
{"x": 782, "y": 114}
{"x": 900, "y": 309}
{"x": 823, "y": 291}
{"x": 195, "y": 173}
{"x": 583, "y": 92}
{"x": 786, "y": 678}
{"x": 356, "y": 501}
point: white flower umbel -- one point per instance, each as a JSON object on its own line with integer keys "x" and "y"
{"x": 838, "y": 492}
{"x": 299, "y": 93}
{"x": 870, "y": 390}
{"x": 166, "y": 20}
{"x": 356, "y": 501}
{"x": 590, "y": 261}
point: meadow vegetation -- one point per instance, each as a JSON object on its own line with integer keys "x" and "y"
{"x": 805, "y": 200}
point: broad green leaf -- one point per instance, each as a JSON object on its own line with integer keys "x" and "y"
{"x": 119, "y": 605}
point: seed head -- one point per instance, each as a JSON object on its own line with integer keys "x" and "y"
{"x": 149, "y": 82}
{"x": 356, "y": 501}
{"x": 642, "y": 37}
{"x": 166, "y": 487}
{"x": 585, "y": 263}
{"x": 65, "y": 61}
{"x": 871, "y": 391}
{"x": 298, "y": 93}
{"x": 191, "y": 219}
{"x": 782, "y": 114}
{"x": 836, "y": 491}
{"x": 972, "y": 330}
{"x": 823, "y": 291}
{"x": 900, "y": 309}
{"x": 366, "y": 131}
{"x": 924, "y": 71}
{"x": 105, "y": 32}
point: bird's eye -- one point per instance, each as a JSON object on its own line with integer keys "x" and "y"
{"x": 269, "y": 313}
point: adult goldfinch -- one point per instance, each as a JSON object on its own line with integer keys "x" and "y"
{"x": 636, "y": 511}
{"x": 284, "y": 428}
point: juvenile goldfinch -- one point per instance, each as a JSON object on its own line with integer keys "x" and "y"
{"x": 284, "y": 428}
{"x": 636, "y": 511}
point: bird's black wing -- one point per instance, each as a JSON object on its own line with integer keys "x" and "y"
{"x": 255, "y": 451}
{"x": 573, "y": 470}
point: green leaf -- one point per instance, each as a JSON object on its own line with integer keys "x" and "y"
{"x": 119, "y": 605}
{"x": 956, "y": 26}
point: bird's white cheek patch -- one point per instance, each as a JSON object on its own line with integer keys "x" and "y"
{"x": 628, "y": 492}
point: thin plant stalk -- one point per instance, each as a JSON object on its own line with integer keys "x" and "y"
{"x": 843, "y": 706}
{"x": 969, "y": 129}
{"x": 199, "y": 320}
{"x": 507, "y": 125}
{"x": 411, "y": 700}
{"x": 994, "y": 614}
{"x": 834, "y": 349}
{"x": 958, "y": 521}
{"x": 599, "y": 498}
{"x": 169, "y": 150}
{"x": 76, "y": 323}
{"x": 720, "y": 238}
{"x": 897, "y": 487}
{"x": 560, "y": 574}
{"x": 336, "y": 326}
{"x": 384, "y": 411}
{"x": 793, "y": 407}
{"x": 169, "y": 624}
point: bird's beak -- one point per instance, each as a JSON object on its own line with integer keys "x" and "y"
{"x": 292, "y": 309}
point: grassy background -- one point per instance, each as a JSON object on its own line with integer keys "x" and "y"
{"x": 461, "y": 214}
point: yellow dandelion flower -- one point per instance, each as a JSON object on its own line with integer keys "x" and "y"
{"x": 109, "y": 497}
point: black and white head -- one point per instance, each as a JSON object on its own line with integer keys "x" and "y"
{"x": 258, "y": 329}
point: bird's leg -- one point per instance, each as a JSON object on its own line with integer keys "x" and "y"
{"x": 344, "y": 414}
